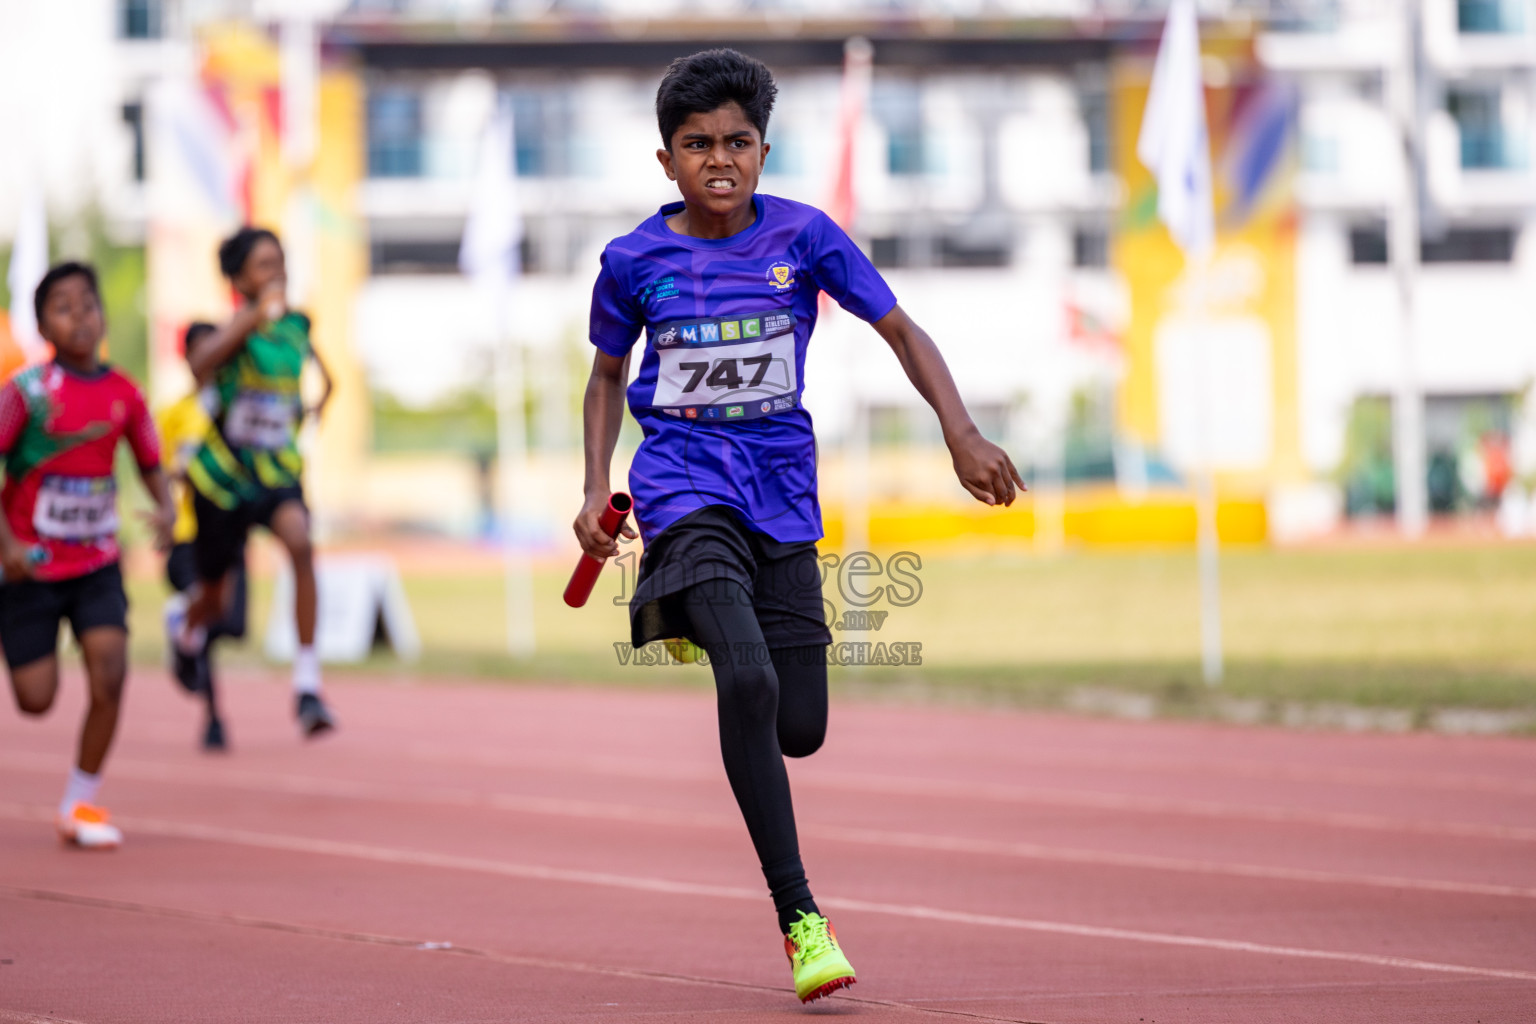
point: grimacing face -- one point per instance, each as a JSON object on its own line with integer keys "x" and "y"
{"x": 716, "y": 158}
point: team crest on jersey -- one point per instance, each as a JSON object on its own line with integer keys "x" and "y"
{"x": 781, "y": 277}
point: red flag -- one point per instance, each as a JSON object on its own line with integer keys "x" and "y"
{"x": 858, "y": 58}
{"x": 1090, "y": 332}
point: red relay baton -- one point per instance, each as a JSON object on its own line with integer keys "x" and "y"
{"x": 585, "y": 577}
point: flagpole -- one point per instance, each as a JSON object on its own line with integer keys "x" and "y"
{"x": 489, "y": 255}
{"x": 1175, "y": 146}
{"x": 511, "y": 470}
{"x": 1408, "y": 444}
{"x": 1207, "y": 535}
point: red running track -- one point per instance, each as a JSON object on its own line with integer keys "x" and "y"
{"x": 479, "y": 853}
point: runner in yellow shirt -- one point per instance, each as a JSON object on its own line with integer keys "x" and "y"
{"x": 183, "y": 426}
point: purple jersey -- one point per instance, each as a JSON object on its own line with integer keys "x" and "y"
{"x": 726, "y": 323}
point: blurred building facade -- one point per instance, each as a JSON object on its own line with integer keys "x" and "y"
{"x": 988, "y": 190}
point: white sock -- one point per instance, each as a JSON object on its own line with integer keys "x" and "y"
{"x": 306, "y": 670}
{"x": 81, "y": 789}
{"x": 191, "y": 640}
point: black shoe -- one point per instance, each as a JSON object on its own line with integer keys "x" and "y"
{"x": 188, "y": 670}
{"x": 213, "y": 736}
{"x": 314, "y": 717}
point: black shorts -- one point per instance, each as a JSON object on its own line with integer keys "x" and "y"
{"x": 222, "y": 532}
{"x": 181, "y": 574}
{"x": 783, "y": 579}
{"x": 31, "y": 610}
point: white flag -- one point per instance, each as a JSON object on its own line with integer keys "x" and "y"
{"x": 494, "y": 229}
{"x": 1174, "y": 144}
{"x": 29, "y": 262}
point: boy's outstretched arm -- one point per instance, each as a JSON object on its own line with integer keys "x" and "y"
{"x": 984, "y": 469}
{"x": 602, "y": 413}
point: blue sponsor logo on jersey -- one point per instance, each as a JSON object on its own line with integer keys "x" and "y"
{"x": 709, "y": 332}
{"x": 691, "y": 332}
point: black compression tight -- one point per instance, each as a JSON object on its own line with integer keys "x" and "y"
{"x": 772, "y": 703}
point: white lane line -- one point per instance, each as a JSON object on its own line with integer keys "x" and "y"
{"x": 1039, "y": 796}
{"x": 448, "y": 948}
{"x": 669, "y": 887}
{"x": 1241, "y": 768}
{"x": 1077, "y": 799}
{"x": 564, "y": 807}
{"x": 1166, "y": 939}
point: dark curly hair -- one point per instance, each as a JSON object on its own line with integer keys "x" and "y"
{"x": 708, "y": 80}
{"x": 237, "y": 249}
{"x": 57, "y": 273}
{"x": 196, "y": 331}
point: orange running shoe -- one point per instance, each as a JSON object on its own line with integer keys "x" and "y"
{"x": 89, "y": 828}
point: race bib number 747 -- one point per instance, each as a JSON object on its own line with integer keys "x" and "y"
{"x": 727, "y": 368}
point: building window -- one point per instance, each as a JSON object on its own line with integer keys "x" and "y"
{"x": 541, "y": 124}
{"x": 786, "y": 155}
{"x": 432, "y": 256}
{"x": 1368, "y": 244}
{"x": 898, "y": 106}
{"x": 1090, "y": 248}
{"x": 133, "y": 117}
{"x": 897, "y": 252}
{"x": 885, "y": 253}
{"x": 394, "y": 134}
{"x": 1095, "y": 109}
{"x": 1485, "y": 143}
{"x": 414, "y": 257}
{"x": 964, "y": 252}
{"x": 1470, "y": 245}
{"x": 140, "y": 19}
{"x": 1315, "y": 16}
{"x": 1319, "y": 154}
{"x": 1490, "y": 16}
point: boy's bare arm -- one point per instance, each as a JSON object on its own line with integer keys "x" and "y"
{"x": 327, "y": 385}
{"x": 220, "y": 346}
{"x": 13, "y": 554}
{"x": 162, "y": 519}
{"x": 982, "y": 467}
{"x": 602, "y": 414}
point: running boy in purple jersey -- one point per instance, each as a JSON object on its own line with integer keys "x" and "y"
{"x": 724, "y": 286}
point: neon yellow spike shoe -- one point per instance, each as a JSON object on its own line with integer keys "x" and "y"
{"x": 815, "y": 958}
